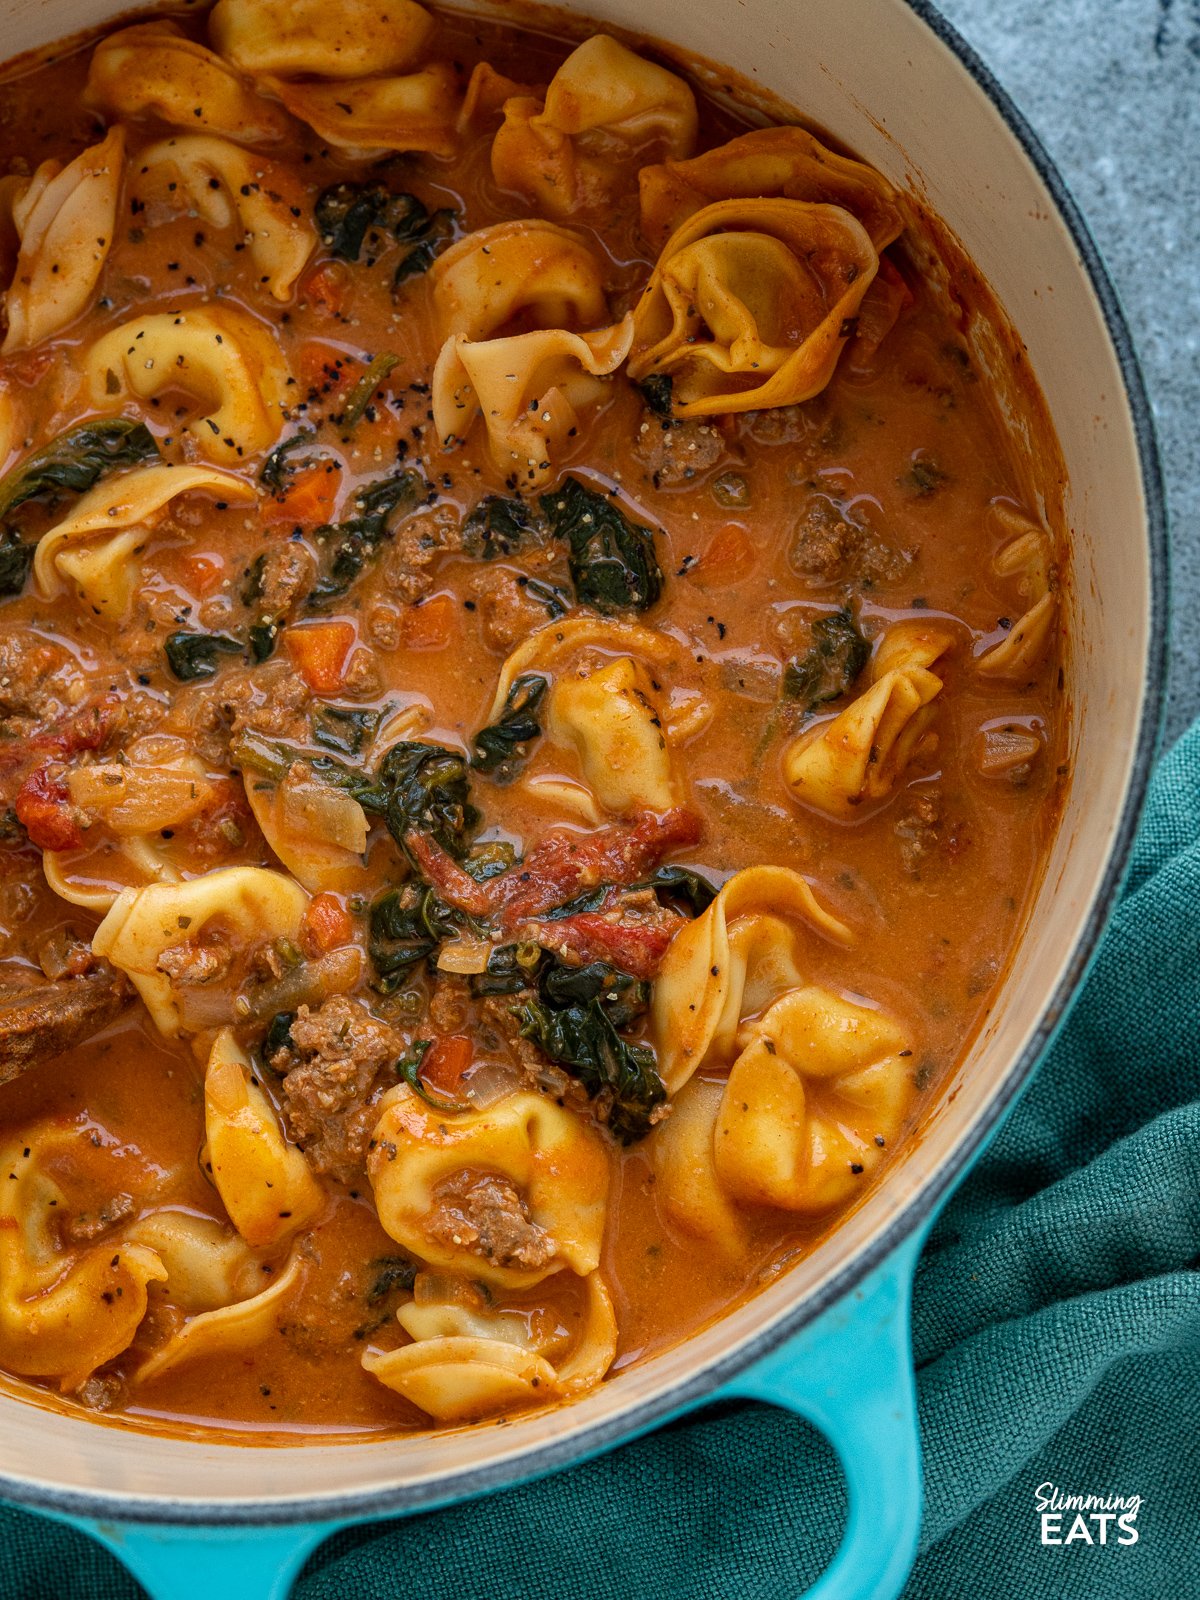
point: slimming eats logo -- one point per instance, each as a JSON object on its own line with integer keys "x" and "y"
{"x": 1086, "y": 1518}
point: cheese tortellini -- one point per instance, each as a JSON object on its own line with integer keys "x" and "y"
{"x": 467, "y": 1361}
{"x": 732, "y": 962}
{"x": 751, "y": 304}
{"x": 529, "y": 386}
{"x": 222, "y": 183}
{"x": 294, "y": 38}
{"x": 63, "y": 1312}
{"x": 152, "y": 70}
{"x": 225, "y": 360}
{"x": 862, "y": 753}
{"x": 264, "y": 1182}
{"x": 417, "y": 112}
{"x": 605, "y": 108}
{"x": 510, "y": 1194}
{"x": 95, "y": 548}
{"x": 1026, "y": 557}
{"x": 781, "y": 162}
{"x": 245, "y": 906}
{"x": 64, "y": 221}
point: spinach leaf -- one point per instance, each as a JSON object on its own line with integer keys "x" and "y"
{"x": 834, "y": 660}
{"x": 556, "y": 601}
{"x": 510, "y": 968}
{"x": 656, "y": 392}
{"x": 16, "y": 558}
{"x": 681, "y": 884}
{"x": 344, "y": 729}
{"x": 425, "y": 251}
{"x": 278, "y": 1035}
{"x": 392, "y": 1274}
{"x": 500, "y": 527}
{"x": 612, "y": 560}
{"x": 363, "y": 392}
{"x": 275, "y": 469}
{"x": 502, "y": 748}
{"x": 621, "y": 1078}
{"x": 409, "y": 1068}
{"x": 76, "y": 461}
{"x": 427, "y": 788}
{"x": 624, "y": 997}
{"x": 350, "y": 544}
{"x": 194, "y": 655}
{"x": 405, "y": 927}
{"x": 347, "y": 213}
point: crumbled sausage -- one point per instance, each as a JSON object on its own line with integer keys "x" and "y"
{"x": 676, "y": 452}
{"x": 919, "y": 830}
{"x": 288, "y": 573}
{"x": 407, "y": 568}
{"x": 37, "y": 676}
{"x": 208, "y": 959}
{"x": 330, "y": 1090}
{"x": 89, "y": 1225}
{"x": 487, "y": 1216}
{"x": 507, "y": 611}
{"x": 832, "y": 543}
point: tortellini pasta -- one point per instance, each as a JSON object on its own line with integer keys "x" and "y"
{"x": 1025, "y": 557}
{"x": 152, "y": 70}
{"x": 818, "y": 1090}
{"x": 317, "y": 831}
{"x": 252, "y": 905}
{"x": 611, "y": 716}
{"x": 751, "y": 304}
{"x": 543, "y": 1212}
{"x": 62, "y": 1313}
{"x": 732, "y": 962}
{"x": 227, "y": 1330}
{"x": 293, "y": 38}
{"x": 79, "y": 880}
{"x": 517, "y": 276}
{"x": 264, "y": 1182}
{"x": 466, "y": 1363}
{"x": 865, "y": 750}
{"x": 604, "y": 109}
{"x": 530, "y": 389}
{"x": 782, "y": 162}
{"x": 222, "y": 183}
{"x": 226, "y": 360}
{"x": 418, "y": 111}
{"x": 96, "y": 546}
{"x": 64, "y": 221}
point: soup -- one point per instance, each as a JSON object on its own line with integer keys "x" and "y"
{"x": 531, "y": 710}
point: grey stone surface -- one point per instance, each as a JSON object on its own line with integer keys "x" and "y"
{"x": 1113, "y": 89}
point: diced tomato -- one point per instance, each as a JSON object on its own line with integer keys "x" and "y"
{"x": 445, "y": 874}
{"x": 445, "y": 1062}
{"x": 309, "y": 499}
{"x": 326, "y": 925}
{"x": 204, "y": 571}
{"x": 325, "y": 288}
{"x": 430, "y": 626}
{"x": 29, "y": 367}
{"x": 43, "y": 806}
{"x": 636, "y": 947}
{"x": 729, "y": 558}
{"x": 319, "y": 652}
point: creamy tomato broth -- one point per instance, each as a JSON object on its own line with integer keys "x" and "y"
{"x": 531, "y": 710}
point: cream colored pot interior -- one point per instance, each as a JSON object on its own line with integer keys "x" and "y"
{"x": 876, "y": 78}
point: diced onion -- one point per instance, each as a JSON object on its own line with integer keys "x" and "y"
{"x": 464, "y": 955}
{"x": 133, "y": 800}
{"x": 324, "y": 813}
{"x": 1001, "y": 748}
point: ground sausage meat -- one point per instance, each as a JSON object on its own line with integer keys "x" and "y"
{"x": 340, "y": 1063}
{"x": 830, "y": 544}
{"x": 487, "y": 1216}
{"x": 676, "y": 452}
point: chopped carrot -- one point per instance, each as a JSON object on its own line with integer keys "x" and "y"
{"x": 729, "y": 557}
{"x": 445, "y": 1062}
{"x": 430, "y": 626}
{"x": 326, "y": 925}
{"x": 324, "y": 368}
{"x": 319, "y": 652}
{"x": 308, "y": 500}
{"x": 204, "y": 571}
{"x": 325, "y": 288}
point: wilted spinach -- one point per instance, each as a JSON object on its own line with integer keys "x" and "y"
{"x": 278, "y": 1035}
{"x": 656, "y": 392}
{"x": 829, "y": 667}
{"x": 622, "y": 1078}
{"x": 681, "y": 884}
{"x": 350, "y": 544}
{"x": 503, "y": 747}
{"x": 195, "y": 655}
{"x": 344, "y": 729}
{"x": 16, "y": 558}
{"x": 612, "y": 560}
{"x": 76, "y": 461}
{"x": 404, "y": 928}
{"x": 498, "y": 526}
{"x": 275, "y": 469}
{"x": 347, "y": 214}
{"x": 363, "y": 392}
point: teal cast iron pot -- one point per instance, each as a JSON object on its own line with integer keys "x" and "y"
{"x": 828, "y": 1340}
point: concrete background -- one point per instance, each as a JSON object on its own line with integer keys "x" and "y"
{"x": 1113, "y": 89}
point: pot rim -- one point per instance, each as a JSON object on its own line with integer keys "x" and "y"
{"x": 606, "y": 1433}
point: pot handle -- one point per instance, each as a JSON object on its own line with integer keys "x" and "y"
{"x": 206, "y": 1563}
{"x": 850, "y": 1373}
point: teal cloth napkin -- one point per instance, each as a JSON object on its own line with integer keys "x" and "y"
{"x": 1057, "y": 1341}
